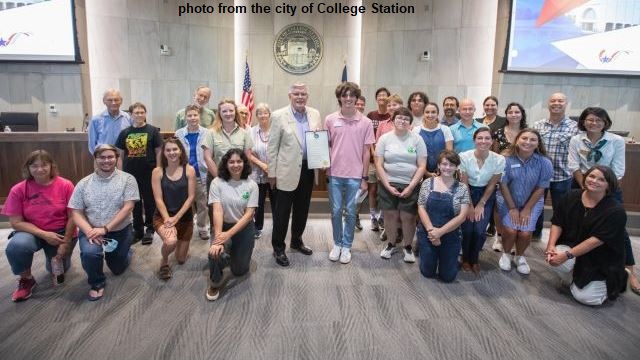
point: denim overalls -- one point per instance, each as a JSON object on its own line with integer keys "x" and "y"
{"x": 444, "y": 258}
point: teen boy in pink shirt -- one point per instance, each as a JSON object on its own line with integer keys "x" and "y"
{"x": 351, "y": 136}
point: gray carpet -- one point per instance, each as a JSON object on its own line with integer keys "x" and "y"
{"x": 315, "y": 309}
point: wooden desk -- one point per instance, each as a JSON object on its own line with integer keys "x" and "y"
{"x": 69, "y": 150}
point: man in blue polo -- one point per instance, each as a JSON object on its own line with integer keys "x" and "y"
{"x": 463, "y": 130}
{"x": 105, "y": 127}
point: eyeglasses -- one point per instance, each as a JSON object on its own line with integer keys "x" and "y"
{"x": 594, "y": 120}
{"x": 110, "y": 157}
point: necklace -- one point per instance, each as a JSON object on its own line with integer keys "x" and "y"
{"x": 263, "y": 139}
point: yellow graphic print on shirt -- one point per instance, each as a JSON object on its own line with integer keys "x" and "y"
{"x": 137, "y": 144}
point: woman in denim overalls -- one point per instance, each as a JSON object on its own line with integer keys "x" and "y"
{"x": 442, "y": 206}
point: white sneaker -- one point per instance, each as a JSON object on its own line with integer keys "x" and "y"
{"x": 522, "y": 266}
{"x": 388, "y": 251}
{"x": 345, "y": 256}
{"x": 505, "y": 262}
{"x": 409, "y": 257}
{"x": 497, "y": 245}
{"x": 334, "y": 255}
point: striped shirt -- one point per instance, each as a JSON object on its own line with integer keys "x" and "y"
{"x": 522, "y": 177}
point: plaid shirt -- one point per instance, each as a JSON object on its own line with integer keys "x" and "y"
{"x": 556, "y": 141}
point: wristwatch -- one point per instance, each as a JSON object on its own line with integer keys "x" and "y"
{"x": 569, "y": 255}
{"x": 365, "y": 178}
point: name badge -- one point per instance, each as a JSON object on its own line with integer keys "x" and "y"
{"x": 338, "y": 124}
{"x": 513, "y": 166}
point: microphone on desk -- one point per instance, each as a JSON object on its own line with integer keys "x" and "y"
{"x": 85, "y": 122}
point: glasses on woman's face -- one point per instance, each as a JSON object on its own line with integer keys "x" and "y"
{"x": 594, "y": 120}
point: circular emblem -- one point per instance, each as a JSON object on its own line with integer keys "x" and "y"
{"x": 298, "y": 48}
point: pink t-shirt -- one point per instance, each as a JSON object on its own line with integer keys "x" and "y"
{"x": 43, "y": 206}
{"x": 383, "y": 128}
{"x": 347, "y": 140}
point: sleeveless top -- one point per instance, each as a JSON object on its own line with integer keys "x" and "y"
{"x": 175, "y": 193}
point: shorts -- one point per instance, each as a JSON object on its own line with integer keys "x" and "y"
{"x": 184, "y": 227}
{"x": 386, "y": 201}
{"x": 373, "y": 177}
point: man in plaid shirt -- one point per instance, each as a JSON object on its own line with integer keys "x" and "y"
{"x": 556, "y": 131}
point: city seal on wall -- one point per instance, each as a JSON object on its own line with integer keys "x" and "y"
{"x": 298, "y": 48}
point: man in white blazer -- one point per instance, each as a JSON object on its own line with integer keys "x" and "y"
{"x": 288, "y": 171}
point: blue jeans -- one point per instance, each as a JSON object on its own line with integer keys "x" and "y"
{"x": 23, "y": 245}
{"x": 92, "y": 256}
{"x": 558, "y": 190}
{"x": 474, "y": 232}
{"x": 343, "y": 189}
{"x": 443, "y": 258}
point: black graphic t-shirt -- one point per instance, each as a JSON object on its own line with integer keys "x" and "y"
{"x": 139, "y": 146}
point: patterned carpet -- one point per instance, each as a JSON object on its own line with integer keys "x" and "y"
{"x": 315, "y": 309}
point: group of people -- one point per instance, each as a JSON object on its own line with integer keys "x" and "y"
{"x": 447, "y": 180}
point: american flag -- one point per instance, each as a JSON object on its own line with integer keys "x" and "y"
{"x": 247, "y": 92}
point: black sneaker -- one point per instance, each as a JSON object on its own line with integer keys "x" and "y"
{"x": 358, "y": 225}
{"x": 137, "y": 237}
{"x": 374, "y": 224}
{"x": 147, "y": 239}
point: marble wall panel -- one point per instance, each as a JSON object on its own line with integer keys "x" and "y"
{"x": 144, "y": 49}
{"x": 141, "y": 91}
{"x": 224, "y": 59}
{"x": 390, "y": 22}
{"x": 108, "y": 50}
{"x": 117, "y": 8}
{"x": 477, "y": 94}
{"x": 60, "y": 88}
{"x": 479, "y": 13}
{"x": 369, "y": 62}
{"x": 370, "y": 23}
{"x": 98, "y": 86}
{"x": 260, "y": 24}
{"x": 445, "y": 53}
{"x": 144, "y": 9}
{"x": 422, "y": 19}
{"x": 476, "y": 56}
{"x": 416, "y": 72}
{"x": 64, "y": 69}
{"x": 204, "y": 55}
{"x": 226, "y": 89}
{"x": 261, "y": 61}
{"x": 168, "y": 97}
{"x": 389, "y": 62}
{"x": 447, "y": 14}
{"x": 168, "y": 11}
{"x": 335, "y": 25}
{"x": 5, "y": 94}
{"x": 175, "y": 66}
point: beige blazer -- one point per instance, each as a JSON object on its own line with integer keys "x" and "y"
{"x": 285, "y": 148}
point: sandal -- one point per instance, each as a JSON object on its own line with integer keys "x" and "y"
{"x": 98, "y": 296}
{"x": 635, "y": 290}
{"x": 165, "y": 272}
